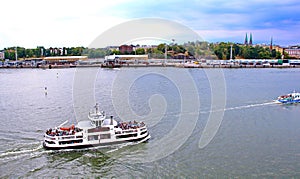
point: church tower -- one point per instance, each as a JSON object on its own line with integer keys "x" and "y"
{"x": 250, "y": 41}
{"x": 246, "y": 40}
{"x": 271, "y": 45}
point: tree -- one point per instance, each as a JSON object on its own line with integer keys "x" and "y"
{"x": 161, "y": 47}
{"x": 140, "y": 51}
{"x": 116, "y": 52}
{"x": 29, "y": 53}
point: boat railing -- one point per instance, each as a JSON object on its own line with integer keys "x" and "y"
{"x": 96, "y": 116}
{"x": 50, "y": 137}
{"x": 63, "y": 131}
{"x": 67, "y": 137}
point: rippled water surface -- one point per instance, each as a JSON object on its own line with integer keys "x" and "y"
{"x": 256, "y": 138}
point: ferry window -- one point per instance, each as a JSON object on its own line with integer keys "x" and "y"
{"x": 92, "y": 137}
{"x": 126, "y": 136}
{"x": 100, "y": 129}
{"x": 104, "y": 136}
{"x": 285, "y": 61}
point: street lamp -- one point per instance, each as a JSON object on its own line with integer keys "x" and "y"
{"x": 231, "y": 52}
{"x": 16, "y": 54}
{"x": 173, "y": 40}
{"x": 166, "y": 49}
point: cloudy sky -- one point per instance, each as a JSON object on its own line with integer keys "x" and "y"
{"x": 68, "y": 23}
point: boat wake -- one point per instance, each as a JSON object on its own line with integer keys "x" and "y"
{"x": 229, "y": 109}
{"x": 240, "y": 107}
{"x": 19, "y": 152}
{"x": 10, "y": 155}
{"x": 250, "y": 106}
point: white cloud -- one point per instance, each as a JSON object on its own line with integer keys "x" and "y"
{"x": 280, "y": 37}
{"x": 32, "y": 23}
{"x": 54, "y": 23}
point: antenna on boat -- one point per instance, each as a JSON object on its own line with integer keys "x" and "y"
{"x": 111, "y": 120}
{"x": 97, "y": 107}
{"x": 63, "y": 123}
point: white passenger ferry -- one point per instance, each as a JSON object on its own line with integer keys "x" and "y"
{"x": 97, "y": 131}
{"x": 291, "y": 98}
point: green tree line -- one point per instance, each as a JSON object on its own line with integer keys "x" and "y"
{"x": 196, "y": 49}
{"x": 10, "y": 52}
{"x": 222, "y": 51}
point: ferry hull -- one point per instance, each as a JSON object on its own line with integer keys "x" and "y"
{"x": 83, "y": 146}
{"x": 288, "y": 101}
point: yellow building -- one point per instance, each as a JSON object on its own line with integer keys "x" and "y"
{"x": 64, "y": 59}
{"x": 278, "y": 48}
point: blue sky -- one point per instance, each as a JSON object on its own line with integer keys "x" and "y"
{"x": 76, "y": 23}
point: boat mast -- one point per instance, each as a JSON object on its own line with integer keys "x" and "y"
{"x": 97, "y": 108}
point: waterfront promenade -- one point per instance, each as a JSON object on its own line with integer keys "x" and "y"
{"x": 158, "y": 64}
{"x": 168, "y": 63}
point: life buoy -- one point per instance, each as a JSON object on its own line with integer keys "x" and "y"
{"x": 65, "y": 128}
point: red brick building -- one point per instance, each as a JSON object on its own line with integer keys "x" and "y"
{"x": 126, "y": 49}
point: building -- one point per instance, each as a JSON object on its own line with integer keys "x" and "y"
{"x": 278, "y": 48}
{"x": 126, "y": 57}
{"x": 293, "y": 51}
{"x": 2, "y": 55}
{"x": 250, "y": 42}
{"x": 126, "y": 49}
{"x": 271, "y": 44}
{"x": 246, "y": 40}
{"x": 64, "y": 59}
{"x": 112, "y": 48}
{"x": 147, "y": 48}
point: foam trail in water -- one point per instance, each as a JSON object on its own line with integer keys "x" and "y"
{"x": 251, "y": 105}
{"x": 21, "y": 151}
{"x": 240, "y": 107}
{"x": 116, "y": 149}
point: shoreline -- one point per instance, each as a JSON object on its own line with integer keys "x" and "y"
{"x": 176, "y": 65}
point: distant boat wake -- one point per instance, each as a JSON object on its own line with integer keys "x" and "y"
{"x": 231, "y": 108}
{"x": 250, "y": 106}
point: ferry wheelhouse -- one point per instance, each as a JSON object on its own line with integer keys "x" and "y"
{"x": 97, "y": 131}
{"x": 289, "y": 98}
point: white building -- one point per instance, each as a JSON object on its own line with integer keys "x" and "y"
{"x": 126, "y": 57}
{"x": 2, "y": 55}
{"x": 293, "y": 51}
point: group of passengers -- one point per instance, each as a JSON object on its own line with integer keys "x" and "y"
{"x": 62, "y": 132}
{"x": 130, "y": 125}
{"x": 56, "y": 132}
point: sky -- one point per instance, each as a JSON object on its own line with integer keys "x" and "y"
{"x": 56, "y": 23}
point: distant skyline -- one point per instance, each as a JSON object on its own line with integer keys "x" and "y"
{"x": 56, "y": 23}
